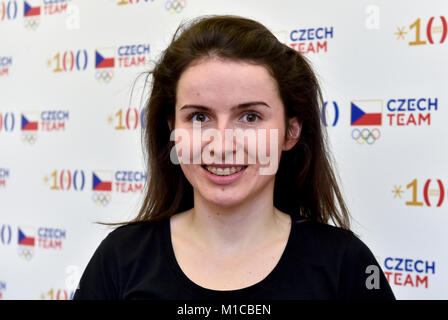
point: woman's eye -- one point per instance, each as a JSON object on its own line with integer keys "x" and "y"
{"x": 250, "y": 117}
{"x": 199, "y": 117}
{"x": 202, "y": 117}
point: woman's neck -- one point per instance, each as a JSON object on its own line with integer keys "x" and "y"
{"x": 236, "y": 228}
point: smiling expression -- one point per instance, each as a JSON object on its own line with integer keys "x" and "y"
{"x": 220, "y": 94}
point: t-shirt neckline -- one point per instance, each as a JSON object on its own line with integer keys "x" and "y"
{"x": 197, "y": 289}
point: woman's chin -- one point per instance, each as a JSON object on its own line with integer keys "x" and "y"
{"x": 223, "y": 198}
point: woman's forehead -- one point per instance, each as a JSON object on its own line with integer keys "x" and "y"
{"x": 227, "y": 81}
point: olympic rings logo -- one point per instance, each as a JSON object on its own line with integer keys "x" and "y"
{"x": 101, "y": 199}
{"x": 104, "y": 76}
{"x": 25, "y": 253}
{"x": 29, "y": 138}
{"x": 175, "y": 5}
{"x": 366, "y": 136}
{"x": 31, "y": 23}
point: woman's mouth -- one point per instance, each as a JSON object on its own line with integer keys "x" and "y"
{"x": 223, "y": 174}
{"x": 224, "y": 171}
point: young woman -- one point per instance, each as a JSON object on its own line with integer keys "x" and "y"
{"x": 225, "y": 229}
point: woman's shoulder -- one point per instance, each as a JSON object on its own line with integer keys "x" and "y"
{"x": 322, "y": 231}
{"x": 137, "y": 226}
{"x": 325, "y": 240}
{"x": 345, "y": 257}
{"x": 116, "y": 256}
{"x": 133, "y": 233}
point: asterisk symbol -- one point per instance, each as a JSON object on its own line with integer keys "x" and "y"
{"x": 397, "y": 191}
{"x": 400, "y": 33}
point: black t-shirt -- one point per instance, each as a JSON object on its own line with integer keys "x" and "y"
{"x": 137, "y": 261}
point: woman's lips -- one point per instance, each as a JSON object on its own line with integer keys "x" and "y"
{"x": 223, "y": 174}
{"x": 223, "y": 165}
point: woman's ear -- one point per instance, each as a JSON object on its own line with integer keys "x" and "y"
{"x": 293, "y": 133}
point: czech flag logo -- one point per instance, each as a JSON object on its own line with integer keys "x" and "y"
{"x": 366, "y": 113}
{"x": 101, "y": 181}
{"x": 25, "y": 240}
{"x": 27, "y": 124}
{"x": 104, "y": 59}
{"x": 31, "y": 11}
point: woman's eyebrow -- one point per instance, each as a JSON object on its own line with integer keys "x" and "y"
{"x": 239, "y": 106}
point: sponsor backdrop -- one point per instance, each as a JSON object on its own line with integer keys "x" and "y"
{"x": 72, "y": 92}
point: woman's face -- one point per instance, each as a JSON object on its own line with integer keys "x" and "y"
{"x": 220, "y": 96}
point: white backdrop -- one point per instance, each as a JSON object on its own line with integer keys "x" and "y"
{"x": 70, "y": 150}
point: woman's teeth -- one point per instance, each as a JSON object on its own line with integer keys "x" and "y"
{"x": 225, "y": 171}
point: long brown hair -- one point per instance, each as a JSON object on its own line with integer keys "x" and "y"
{"x": 305, "y": 183}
